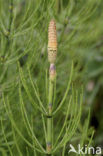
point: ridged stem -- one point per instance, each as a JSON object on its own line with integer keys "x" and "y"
{"x": 9, "y": 26}
{"x": 52, "y": 53}
{"x": 49, "y": 117}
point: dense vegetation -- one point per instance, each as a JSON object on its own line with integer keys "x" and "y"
{"x": 24, "y": 75}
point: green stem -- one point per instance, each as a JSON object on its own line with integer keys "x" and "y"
{"x": 9, "y": 26}
{"x": 49, "y": 118}
{"x": 11, "y": 15}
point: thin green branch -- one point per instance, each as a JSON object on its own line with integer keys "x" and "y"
{"x": 35, "y": 91}
{"x": 27, "y": 91}
{"x": 71, "y": 128}
{"x": 44, "y": 127}
{"x": 29, "y": 126}
{"x": 9, "y": 26}
{"x": 67, "y": 113}
{"x": 17, "y": 146}
{"x": 6, "y": 139}
{"x": 66, "y": 93}
{"x": 8, "y": 110}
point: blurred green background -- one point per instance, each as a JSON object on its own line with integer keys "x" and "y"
{"x": 24, "y": 38}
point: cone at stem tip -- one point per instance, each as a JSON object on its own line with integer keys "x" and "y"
{"x": 52, "y": 42}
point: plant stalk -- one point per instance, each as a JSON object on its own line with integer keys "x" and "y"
{"x": 52, "y": 53}
{"x": 52, "y": 76}
{"x": 9, "y": 26}
{"x": 49, "y": 118}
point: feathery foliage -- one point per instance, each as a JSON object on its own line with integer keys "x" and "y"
{"x": 24, "y": 78}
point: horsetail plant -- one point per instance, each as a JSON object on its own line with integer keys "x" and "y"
{"x": 53, "y": 140}
{"x": 37, "y": 116}
{"x": 52, "y": 52}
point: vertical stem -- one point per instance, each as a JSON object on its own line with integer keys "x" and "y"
{"x": 52, "y": 53}
{"x": 9, "y": 26}
{"x": 7, "y": 37}
{"x": 49, "y": 118}
{"x": 51, "y": 86}
{"x": 11, "y": 15}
